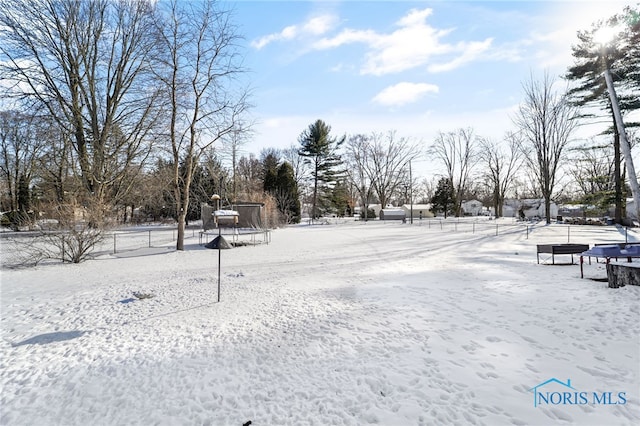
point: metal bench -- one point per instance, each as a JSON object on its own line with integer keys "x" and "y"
{"x": 554, "y": 249}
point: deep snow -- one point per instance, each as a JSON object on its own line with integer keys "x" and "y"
{"x": 348, "y": 323}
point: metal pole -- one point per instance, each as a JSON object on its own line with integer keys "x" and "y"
{"x": 114, "y": 243}
{"x": 149, "y": 238}
{"x": 568, "y": 234}
{"x": 219, "y": 241}
{"x": 411, "y": 192}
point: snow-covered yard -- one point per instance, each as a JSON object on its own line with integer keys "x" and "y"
{"x": 352, "y": 323}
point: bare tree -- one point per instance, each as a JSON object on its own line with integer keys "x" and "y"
{"x": 546, "y": 120}
{"x": 199, "y": 67}
{"x": 456, "y": 150}
{"x": 300, "y": 168}
{"x": 425, "y": 190}
{"x": 88, "y": 64}
{"x": 21, "y": 143}
{"x": 389, "y": 162}
{"x": 232, "y": 144}
{"x": 593, "y": 171}
{"x": 249, "y": 177}
{"x": 502, "y": 162}
{"x": 358, "y": 171}
{"x": 379, "y": 164}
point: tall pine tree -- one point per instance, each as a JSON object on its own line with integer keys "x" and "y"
{"x": 320, "y": 151}
{"x": 622, "y": 56}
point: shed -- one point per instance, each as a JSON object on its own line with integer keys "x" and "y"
{"x": 393, "y": 214}
{"x": 420, "y": 211}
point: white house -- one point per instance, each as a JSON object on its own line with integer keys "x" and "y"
{"x": 420, "y": 211}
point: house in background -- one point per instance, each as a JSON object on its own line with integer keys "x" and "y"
{"x": 420, "y": 211}
{"x": 472, "y": 208}
{"x": 531, "y": 208}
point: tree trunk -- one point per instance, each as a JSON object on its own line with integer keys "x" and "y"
{"x": 181, "y": 222}
{"x": 619, "y": 201}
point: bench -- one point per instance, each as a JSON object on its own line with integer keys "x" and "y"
{"x": 554, "y": 249}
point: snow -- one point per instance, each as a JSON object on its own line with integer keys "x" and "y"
{"x": 349, "y": 323}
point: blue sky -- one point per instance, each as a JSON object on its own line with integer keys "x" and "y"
{"x": 416, "y": 67}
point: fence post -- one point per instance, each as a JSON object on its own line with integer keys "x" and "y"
{"x": 473, "y": 230}
{"x": 496, "y": 229}
{"x": 626, "y": 240}
{"x": 149, "y": 238}
{"x": 527, "y": 232}
{"x": 568, "y": 234}
{"x": 114, "y": 243}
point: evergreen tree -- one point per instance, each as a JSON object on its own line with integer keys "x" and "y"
{"x": 24, "y": 194}
{"x": 286, "y": 193}
{"x": 443, "y": 200}
{"x": 270, "y": 163}
{"x": 320, "y": 152}
{"x": 622, "y": 56}
{"x": 340, "y": 199}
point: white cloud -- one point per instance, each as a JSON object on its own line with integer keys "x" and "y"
{"x": 319, "y": 24}
{"x": 470, "y": 52}
{"x": 403, "y": 93}
{"x": 345, "y": 37}
{"x": 415, "y": 17}
{"x": 413, "y": 44}
{"x": 314, "y": 26}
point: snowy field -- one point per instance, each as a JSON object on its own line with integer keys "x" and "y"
{"x": 345, "y": 323}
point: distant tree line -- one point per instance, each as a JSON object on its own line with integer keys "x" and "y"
{"x": 125, "y": 111}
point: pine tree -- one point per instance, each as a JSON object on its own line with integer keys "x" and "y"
{"x": 340, "y": 199}
{"x": 24, "y": 194}
{"x": 623, "y": 58}
{"x": 287, "y": 195}
{"x": 320, "y": 152}
{"x": 443, "y": 199}
{"x": 270, "y": 164}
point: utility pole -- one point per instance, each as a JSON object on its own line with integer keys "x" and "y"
{"x": 411, "y": 192}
